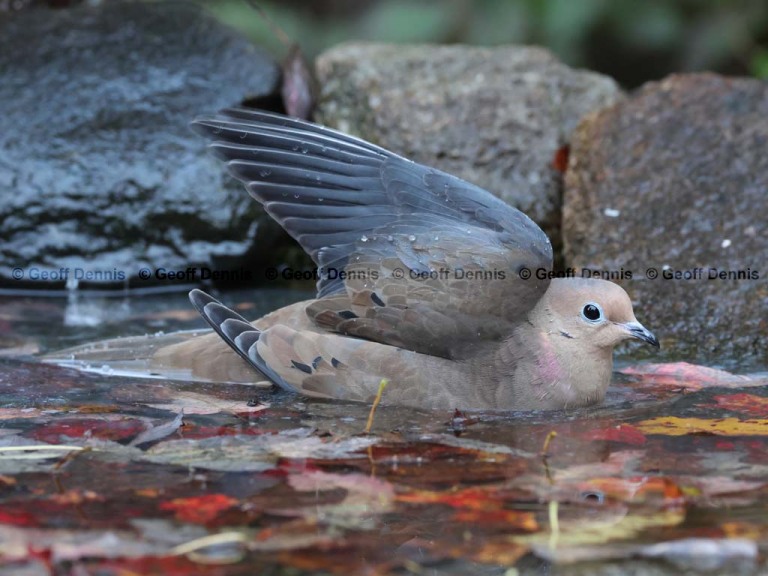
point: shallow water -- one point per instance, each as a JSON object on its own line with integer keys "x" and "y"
{"x": 135, "y": 475}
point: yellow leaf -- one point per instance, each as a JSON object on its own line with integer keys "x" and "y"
{"x": 674, "y": 426}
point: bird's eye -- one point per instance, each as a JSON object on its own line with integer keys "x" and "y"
{"x": 592, "y": 312}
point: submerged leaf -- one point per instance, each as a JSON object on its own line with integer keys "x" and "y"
{"x": 690, "y": 376}
{"x": 749, "y": 404}
{"x": 674, "y": 426}
{"x": 199, "y": 509}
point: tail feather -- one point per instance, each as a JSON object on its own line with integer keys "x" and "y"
{"x": 236, "y": 331}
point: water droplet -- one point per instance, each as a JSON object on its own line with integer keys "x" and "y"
{"x": 304, "y": 150}
{"x": 265, "y": 173}
{"x": 296, "y": 196}
{"x": 391, "y": 238}
{"x": 412, "y": 238}
{"x": 320, "y": 199}
{"x": 364, "y": 238}
{"x": 243, "y": 135}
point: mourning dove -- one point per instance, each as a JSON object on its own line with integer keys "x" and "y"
{"x": 426, "y": 281}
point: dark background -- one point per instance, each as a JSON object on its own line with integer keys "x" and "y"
{"x": 631, "y": 40}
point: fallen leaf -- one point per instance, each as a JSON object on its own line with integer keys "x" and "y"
{"x": 199, "y": 509}
{"x": 690, "y": 376}
{"x": 248, "y": 453}
{"x": 366, "y": 498}
{"x": 19, "y": 413}
{"x": 624, "y": 433}
{"x": 475, "y": 504}
{"x": 701, "y": 553}
{"x": 196, "y": 403}
{"x": 157, "y": 432}
{"x": 584, "y": 531}
{"x": 748, "y": 404}
{"x": 502, "y": 551}
{"x": 674, "y": 426}
{"x": 560, "y": 159}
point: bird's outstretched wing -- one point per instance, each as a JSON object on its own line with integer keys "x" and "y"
{"x": 408, "y": 255}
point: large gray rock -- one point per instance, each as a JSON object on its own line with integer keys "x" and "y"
{"x": 98, "y": 168}
{"x": 674, "y": 182}
{"x": 493, "y": 116}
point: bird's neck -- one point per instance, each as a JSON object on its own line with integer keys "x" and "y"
{"x": 572, "y": 374}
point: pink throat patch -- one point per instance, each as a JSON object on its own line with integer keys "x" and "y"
{"x": 549, "y": 365}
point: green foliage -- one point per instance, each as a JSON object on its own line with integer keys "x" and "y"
{"x": 759, "y": 64}
{"x": 632, "y": 40}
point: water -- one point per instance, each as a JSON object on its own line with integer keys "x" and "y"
{"x": 669, "y": 475}
{"x": 62, "y": 320}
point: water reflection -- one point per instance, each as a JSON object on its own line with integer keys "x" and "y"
{"x": 64, "y": 319}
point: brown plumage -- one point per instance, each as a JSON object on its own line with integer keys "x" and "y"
{"x": 423, "y": 281}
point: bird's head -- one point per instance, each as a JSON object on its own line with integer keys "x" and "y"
{"x": 594, "y": 313}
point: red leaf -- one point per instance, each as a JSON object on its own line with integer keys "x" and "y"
{"x": 745, "y": 403}
{"x": 199, "y": 509}
{"x": 624, "y": 433}
{"x": 690, "y": 376}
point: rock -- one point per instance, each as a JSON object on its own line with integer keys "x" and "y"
{"x": 98, "y": 167}
{"x": 674, "y": 182}
{"x": 493, "y": 116}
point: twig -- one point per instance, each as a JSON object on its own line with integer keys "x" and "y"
{"x": 547, "y": 441}
{"x": 545, "y": 455}
{"x": 278, "y": 31}
{"x": 41, "y": 450}
{"x": 382, "y": 385}
{"x": 192, "y": 548}
{"x": 554, "y": 524}
{"x": 69, "y": 456}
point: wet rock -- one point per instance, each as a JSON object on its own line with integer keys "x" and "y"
{"x": 493, "y": 116}
{"x": 98, "y": 167}
{"x": 674, "y": 183}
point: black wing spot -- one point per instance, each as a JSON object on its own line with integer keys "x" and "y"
{"x": 376, "y": 300}
{"x": 316, "y": 362}
{"x": 348, "y": 314}
{"x": 303, "y": 367}
{"x": 335, "y": 363}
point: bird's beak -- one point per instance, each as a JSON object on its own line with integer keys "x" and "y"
{"x": 637, "y": 330}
